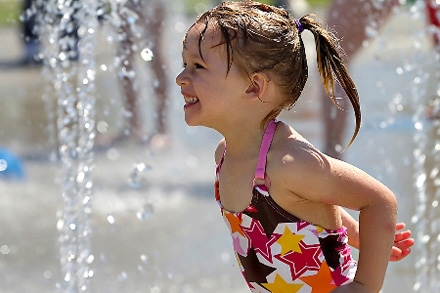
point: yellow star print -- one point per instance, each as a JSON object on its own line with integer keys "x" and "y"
{"x": 289, "y": 241}
{"x": 281, "y": 286}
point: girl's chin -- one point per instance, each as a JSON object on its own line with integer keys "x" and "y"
{"x": 191, "y": 121}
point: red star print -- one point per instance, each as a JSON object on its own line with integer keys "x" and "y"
{"x": 259, "y": 240}
{"x": 301, "y": 225}
{"x": 308, "y": 259}
{"x": 338, "y": 277}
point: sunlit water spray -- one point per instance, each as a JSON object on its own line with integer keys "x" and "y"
{"x": 424, "y": 94}
{"x": 68, "y": 29}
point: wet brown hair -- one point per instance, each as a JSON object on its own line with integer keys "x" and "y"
{"x": 264, "y": 38}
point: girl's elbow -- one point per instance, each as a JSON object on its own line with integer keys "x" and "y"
{"x": 390, "y": 205}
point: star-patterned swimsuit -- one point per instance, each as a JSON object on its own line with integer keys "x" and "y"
{"x": 276, "y": 251}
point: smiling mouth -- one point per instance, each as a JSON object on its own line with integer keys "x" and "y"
{"x": 189, "y": 100}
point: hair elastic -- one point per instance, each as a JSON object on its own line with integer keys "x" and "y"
{"x": 299, "y": 25}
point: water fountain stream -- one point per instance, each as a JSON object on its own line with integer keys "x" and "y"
{"x": 70, "y": 28}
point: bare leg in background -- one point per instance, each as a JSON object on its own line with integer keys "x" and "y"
{"x": 349, "y": 19}
{"x": 150, "y": 19}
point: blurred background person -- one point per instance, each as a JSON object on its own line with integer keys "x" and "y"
{"x": 149, "y": 20}
{"x": 351, "y": 21}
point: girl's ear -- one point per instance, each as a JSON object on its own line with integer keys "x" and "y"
{"x": 257, "y": 86}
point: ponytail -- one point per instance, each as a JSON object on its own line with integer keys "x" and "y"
{"x": 331, "y": 66}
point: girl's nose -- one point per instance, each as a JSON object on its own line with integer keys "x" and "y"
{"x": 182, "y": 79}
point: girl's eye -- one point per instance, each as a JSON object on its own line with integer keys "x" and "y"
{"x": 197, "y": 65}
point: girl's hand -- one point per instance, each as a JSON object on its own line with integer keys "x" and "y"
{"x": 402, "y": 243}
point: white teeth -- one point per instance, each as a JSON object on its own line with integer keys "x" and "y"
{"x": 190, "y": 100}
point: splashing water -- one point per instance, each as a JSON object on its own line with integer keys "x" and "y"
{"x": 70, "y": 30}
{"x": 426, "y": 173}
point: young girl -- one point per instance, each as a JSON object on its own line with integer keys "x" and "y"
{"x": 243, "y": 63}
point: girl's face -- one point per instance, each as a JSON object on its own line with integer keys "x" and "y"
{"x": 212, "y": 95}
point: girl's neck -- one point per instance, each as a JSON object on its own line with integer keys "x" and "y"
{"x": 243, "y": 140}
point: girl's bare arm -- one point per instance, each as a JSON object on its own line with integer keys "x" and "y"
{"x": 319, "y": 178}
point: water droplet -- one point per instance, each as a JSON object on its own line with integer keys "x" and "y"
{"x": 370, "y": 31}
{"x": 67, "y": 277}
{"x": 144, "y": 258}
{"x": 102, "y": 126}
{"x": 155, "y": 289}
{"x": 418, "y": 126}
{"x": 146, "y": 212}
{"x": 91, "y": 74}
{"x": 3, "y": 165}
{"x": 435, "y": 204}
{"x": 147, "y": 54}
{"x": 380, "y": 84}
{"x": 60, "y": 224}
{"x": 134, "y": 180}
{"x": 112, "y": 154}
{"x": 399, "y": 70}
{"x": 426, "y": 238}
{"x": 225, "y": 256}
{"x": 72, "y": 227}
{"x": 103, "y": 67}
{"x": 62, "y": 56}
{"x": 417, "y": 286}
{"x": 47, "y": 275}
{"x": 110, "y": 219}
{"x": 90, "y": 259}
{"x": 414, "y": 220}
{"x": 122, "y": 276}
{"x": 420, "y": 180}
{"x": 4, "y": 249}
{"x": 140, "y": 167}
{"x": 80, "y": 177}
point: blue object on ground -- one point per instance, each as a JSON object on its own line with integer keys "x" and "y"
{"x": 11, "y": 167}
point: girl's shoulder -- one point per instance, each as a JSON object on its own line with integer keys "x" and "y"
{"x": 292, "y": 156}
{"x": 288, "y": 143}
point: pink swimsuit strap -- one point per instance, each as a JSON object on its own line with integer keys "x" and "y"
{"x": 260, "y": 171}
